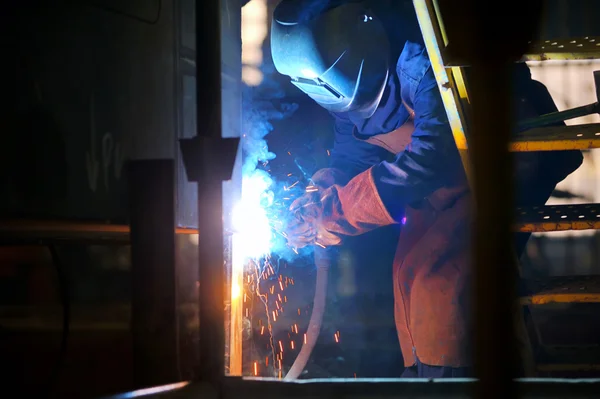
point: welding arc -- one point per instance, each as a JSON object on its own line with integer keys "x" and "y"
{"x": 316, "y": 318}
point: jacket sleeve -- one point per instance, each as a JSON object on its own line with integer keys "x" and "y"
{"x": 350, "y": 154}
{"x": 428, "y": 162}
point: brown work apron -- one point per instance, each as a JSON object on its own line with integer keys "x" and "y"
{"x": 432, "y": 271}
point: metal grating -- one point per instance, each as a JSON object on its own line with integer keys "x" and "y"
{"x": 558, "y": 218}
{"x": 555, "y": 138}
{"x": 581, "y": 48}
{"x": 584, "y": 289}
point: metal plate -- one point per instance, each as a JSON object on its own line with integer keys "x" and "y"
{"x": 555, "y": 138}
{"x": 558, "y": 218}
{"x": 584, "y": 289}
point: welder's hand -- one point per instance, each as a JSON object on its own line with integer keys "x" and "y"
{"x": 310, "y": 216}
{"x": 323, "y": 217}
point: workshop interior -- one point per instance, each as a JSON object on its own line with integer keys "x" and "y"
{"x": 156, "y": 152}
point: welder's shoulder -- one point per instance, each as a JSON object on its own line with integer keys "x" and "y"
{"x": 413, "y": 62}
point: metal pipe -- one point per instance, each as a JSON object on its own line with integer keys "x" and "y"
{"x": 561, "y": 116}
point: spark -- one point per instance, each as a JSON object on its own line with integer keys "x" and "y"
{"x": 292, "y": 345}
{"x": 255, "y": 368}
{"x": 250, "y": 219}
{"x": 305, "y": 338}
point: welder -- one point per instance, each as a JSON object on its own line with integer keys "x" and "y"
{"x": 394, "y": 160}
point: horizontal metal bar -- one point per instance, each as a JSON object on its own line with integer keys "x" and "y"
{"x": 556, "y": 138}
{"x": 21, "y": 230}
{"x": 584, "y": 289}
{"x": 557, "y": 218}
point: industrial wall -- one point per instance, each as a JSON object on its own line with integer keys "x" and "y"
{"x": 93, "y": 84}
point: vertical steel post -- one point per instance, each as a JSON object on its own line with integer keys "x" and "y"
{"x": 208, "y": 160}
{"x": 153, "y": 313}
{"x": 495, "y": 356}
{"x": 479, "y": 33}
{"x": 210, "y": 198}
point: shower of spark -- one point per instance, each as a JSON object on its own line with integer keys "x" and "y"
{"x": 258, "y": 242}
{"x": 250, "y": 217}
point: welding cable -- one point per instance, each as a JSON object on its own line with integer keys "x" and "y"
{"x": 323, "y": 258}
{"x": 65, "y": 299}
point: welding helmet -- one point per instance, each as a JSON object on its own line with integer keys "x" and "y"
{"x": 336, "y": 52}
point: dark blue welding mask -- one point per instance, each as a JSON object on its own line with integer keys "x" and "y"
{"x": 337, "y": 54}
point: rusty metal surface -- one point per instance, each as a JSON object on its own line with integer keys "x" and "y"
{"x": 584, "y": 289}
{"x": 558, "y": 218}
{"x": 556, "y": 138}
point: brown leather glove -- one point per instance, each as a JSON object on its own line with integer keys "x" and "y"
{"x": 322, "y": 217}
